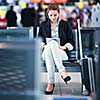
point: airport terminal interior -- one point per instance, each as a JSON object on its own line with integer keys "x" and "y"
{"x": 23, "y": 74}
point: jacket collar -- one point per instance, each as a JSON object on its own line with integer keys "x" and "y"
{"x": 48, "y": 28}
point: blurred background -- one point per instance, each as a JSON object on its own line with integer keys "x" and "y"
{"x": 70, "y": 10}
{"x": 26, "y": 16}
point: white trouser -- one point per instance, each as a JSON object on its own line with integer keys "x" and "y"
{"x": 53, "y": 55}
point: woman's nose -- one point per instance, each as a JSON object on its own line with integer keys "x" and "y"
{"x": 53, "y": 16}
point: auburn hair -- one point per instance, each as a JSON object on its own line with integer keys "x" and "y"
{"x": 53, "y": 6}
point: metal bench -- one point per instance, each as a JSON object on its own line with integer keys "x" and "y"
{"x": 72, "y": 64}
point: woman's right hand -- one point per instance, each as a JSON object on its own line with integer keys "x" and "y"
{"x": 63, "y": 47}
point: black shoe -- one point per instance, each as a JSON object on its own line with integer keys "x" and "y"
{"x": 66, "y": 79}
{"x": 50, "y": 92}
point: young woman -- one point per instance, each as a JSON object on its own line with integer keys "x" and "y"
{"x": 57, "y": 40}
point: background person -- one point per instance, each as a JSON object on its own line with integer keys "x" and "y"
{"x": 11, "y": 17}
{"x": 29, "y": 17}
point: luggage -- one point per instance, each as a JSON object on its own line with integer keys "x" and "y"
{"x": 87, "y": 72}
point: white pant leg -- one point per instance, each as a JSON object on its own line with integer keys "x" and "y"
{"x": 53, "y": 56}
{"x": 57, "y": 55}
{"x": 50, "y": 65}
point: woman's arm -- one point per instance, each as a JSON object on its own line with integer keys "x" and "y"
{"x": 40, "y": 34}
{"x": 69, "y": 37}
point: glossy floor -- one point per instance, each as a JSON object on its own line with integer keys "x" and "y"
{"x": 71, "y": 90}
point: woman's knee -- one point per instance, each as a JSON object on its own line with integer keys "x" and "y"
{"x": 53, "y": 43}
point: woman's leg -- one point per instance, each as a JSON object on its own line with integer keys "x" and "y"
{"x": 53, "y": 56}
{"x": 50, "y": 65}
{"x": 57, "y": 56}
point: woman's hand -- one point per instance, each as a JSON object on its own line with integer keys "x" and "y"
{"x": 63, "y": 47}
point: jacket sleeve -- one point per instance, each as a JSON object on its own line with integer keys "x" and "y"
{"x": 40, "y": 33}
{"x": 69, "y": 33}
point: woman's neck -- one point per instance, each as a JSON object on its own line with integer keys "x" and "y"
{"x": 53, "y": 23}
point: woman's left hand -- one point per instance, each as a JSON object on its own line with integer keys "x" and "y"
{"x": 63, "y": 47}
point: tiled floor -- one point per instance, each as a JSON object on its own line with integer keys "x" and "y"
{"x": 72, "y": 89}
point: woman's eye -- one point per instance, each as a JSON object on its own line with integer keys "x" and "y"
{"x": 55, "y": 15}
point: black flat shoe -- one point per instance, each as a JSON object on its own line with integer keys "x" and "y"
{"x": 66, "y": 79}
{"x": 50, "y": 92}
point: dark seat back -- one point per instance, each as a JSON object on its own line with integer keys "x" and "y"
{"x": 19, "y": 65}
{"x": 74, "y": 53}
{"x": 13, "y": 33}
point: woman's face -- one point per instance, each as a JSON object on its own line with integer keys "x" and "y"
{"x": 53, "y": 15}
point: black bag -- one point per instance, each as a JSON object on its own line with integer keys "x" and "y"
{"x": 88, "y": 74}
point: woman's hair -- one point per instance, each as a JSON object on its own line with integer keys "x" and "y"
{"x": 53, "y": 6}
